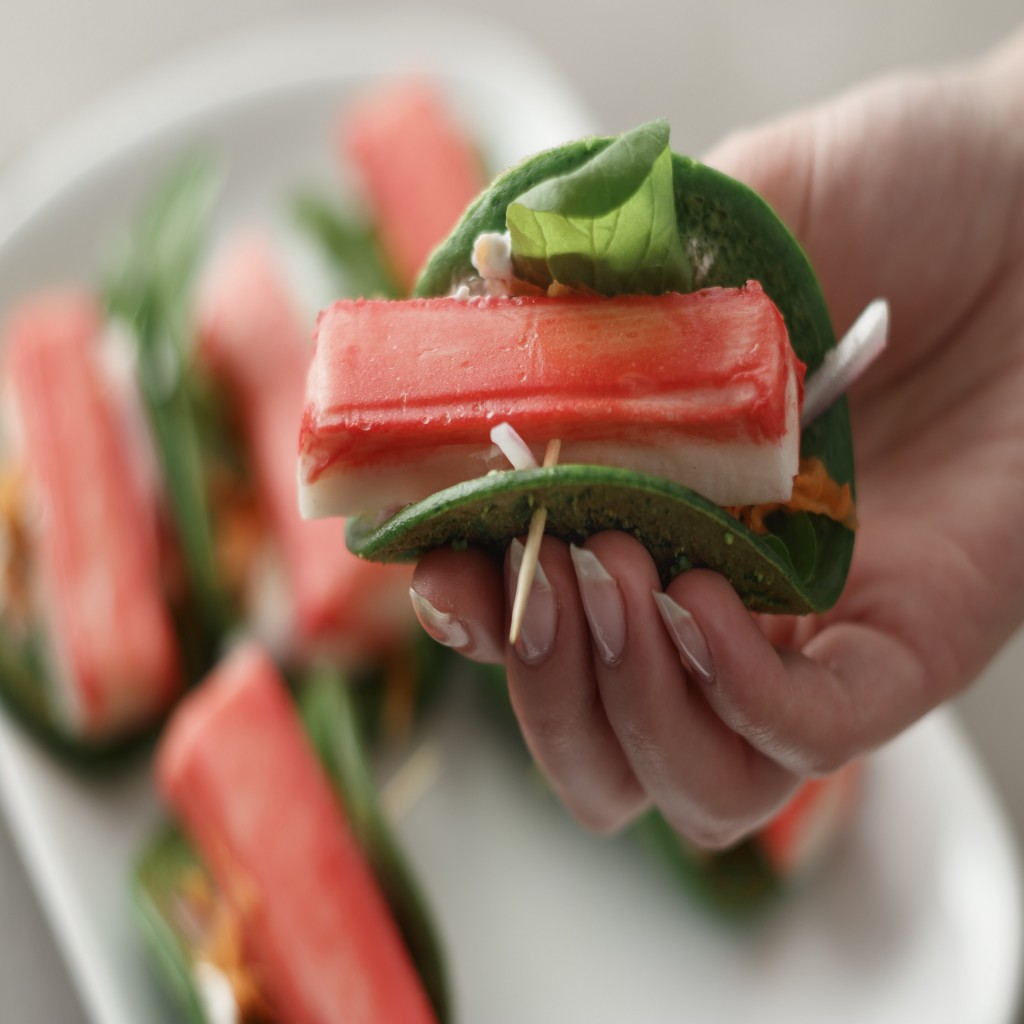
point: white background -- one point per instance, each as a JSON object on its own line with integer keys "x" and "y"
{"x": 708, "y": 67}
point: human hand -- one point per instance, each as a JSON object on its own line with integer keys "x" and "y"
{"x": 911, "y": 188}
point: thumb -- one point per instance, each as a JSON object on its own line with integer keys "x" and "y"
{"x": 896, "y": 188}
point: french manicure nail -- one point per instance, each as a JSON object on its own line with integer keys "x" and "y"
{"x": 602, "y": 603}
{"x": 687, "y": 636}
{"x": 540, "y": 617}
{"x": 445, "y": 627}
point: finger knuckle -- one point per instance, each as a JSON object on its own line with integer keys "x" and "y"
{"x": 717, "y": 837}
{"x": 603, "y": 819}
{"x": 823, "y": 761}
{"x": 712, "y": 831}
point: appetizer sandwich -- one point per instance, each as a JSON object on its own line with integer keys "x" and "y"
{"x": 652, "y": 315}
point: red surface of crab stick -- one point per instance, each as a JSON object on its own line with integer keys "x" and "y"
{"x": 237, "y": 768}
{"x": 255, "y": 341}
{"x": 92, "y": 520}
{"x": 416, "y": 166}
{"x": 701, "y": 388}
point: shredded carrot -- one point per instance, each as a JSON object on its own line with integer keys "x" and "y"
{"x": 221, "y": 942}
{"x": 239, "y": 529}
{"x": 225, "y": 949}
{"x": 15, "y": 548}
{"x": 813, "y": 491}
{"x": 401, "y": 689}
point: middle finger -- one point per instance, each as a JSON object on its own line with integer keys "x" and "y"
{"x": 707, "y": 780}
{"x": 554, "y": 693}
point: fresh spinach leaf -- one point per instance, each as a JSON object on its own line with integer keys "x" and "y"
{"x": 609, "y": 225}
{"x": 792, "y": 535}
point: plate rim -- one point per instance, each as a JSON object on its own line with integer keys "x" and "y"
{"x": 107, "y": 128}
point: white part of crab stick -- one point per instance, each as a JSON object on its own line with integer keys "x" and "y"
{"x": 703, "y": 389}
{"x": 94, "y": 528}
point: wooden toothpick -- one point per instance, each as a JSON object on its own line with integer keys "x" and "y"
{"x": 531, "y": 551}
{"x": 411, "y": 781}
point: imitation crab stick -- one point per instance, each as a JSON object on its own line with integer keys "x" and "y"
{"x": 91, "y": 520}
{"x": 256, "y": 343}
{"x": 417, "y": 168}
{"x": 700, "y": 388}
{"x": 801, "y": 835}
{"x": 242, "y": 776}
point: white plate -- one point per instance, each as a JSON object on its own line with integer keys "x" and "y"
{"x": 918, "y": 918}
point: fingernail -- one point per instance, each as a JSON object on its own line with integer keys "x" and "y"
{"x": 602, "y": 602}
{"x": 687, "y": 636}
{"x": 445, "y": 627}
{"x": 540, "y": 617}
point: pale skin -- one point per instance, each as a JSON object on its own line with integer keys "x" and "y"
{"x": 911, "y": 188}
